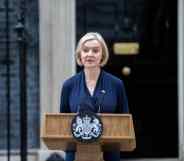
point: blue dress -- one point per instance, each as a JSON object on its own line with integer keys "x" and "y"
{"x": 109, "y": 97}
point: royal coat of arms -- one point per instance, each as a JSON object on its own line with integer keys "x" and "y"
{"x": 86, "y": 127}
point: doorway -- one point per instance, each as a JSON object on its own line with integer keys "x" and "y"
{"x": 151, "y": 80}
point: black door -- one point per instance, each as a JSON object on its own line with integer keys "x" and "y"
{"x": 151, "y": 82}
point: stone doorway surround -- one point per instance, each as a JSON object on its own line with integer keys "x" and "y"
{"x": 57, "y": 46}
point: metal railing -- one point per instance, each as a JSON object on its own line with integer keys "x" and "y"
{"x": 6, "y": 62}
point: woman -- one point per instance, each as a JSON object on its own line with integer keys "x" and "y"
{"x": 105, "y": 92}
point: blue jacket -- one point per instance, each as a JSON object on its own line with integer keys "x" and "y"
{"x": 109, "y": 97}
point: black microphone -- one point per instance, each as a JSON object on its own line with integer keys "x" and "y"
{"x": 86, "y": 104}
{"x": 91, "y": 104}
{"x": 103, "y": 92}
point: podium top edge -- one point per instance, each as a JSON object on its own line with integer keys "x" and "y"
{"x": 102, "y": 138}
{"x": 102, "y": 114}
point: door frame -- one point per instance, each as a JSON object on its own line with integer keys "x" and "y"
{"x": 180, "y": 37}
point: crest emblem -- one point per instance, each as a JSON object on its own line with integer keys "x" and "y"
{"x": 86, "y": 127}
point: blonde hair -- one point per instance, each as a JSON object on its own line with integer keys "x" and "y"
{"x": 92, "y": 36}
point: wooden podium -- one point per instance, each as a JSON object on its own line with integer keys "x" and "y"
{"x": 118, "y": 133}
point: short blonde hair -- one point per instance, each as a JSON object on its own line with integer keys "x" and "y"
{"x": 92, "y": 36}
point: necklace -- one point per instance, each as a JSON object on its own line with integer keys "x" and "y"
{"x": 91, "y": 86}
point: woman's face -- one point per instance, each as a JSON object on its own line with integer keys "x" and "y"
{"x": 91, "y": 54}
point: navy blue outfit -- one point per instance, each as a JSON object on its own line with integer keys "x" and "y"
{"x": 109, "y": 97}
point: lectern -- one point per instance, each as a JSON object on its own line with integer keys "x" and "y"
{"x": 118, "y": 134}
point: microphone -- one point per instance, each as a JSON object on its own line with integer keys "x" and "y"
{"x": 103, "y": 92}
{"x": 91, "y": 104}
{"x": 84, "y": 107}
{"x": 86, "y": 104}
